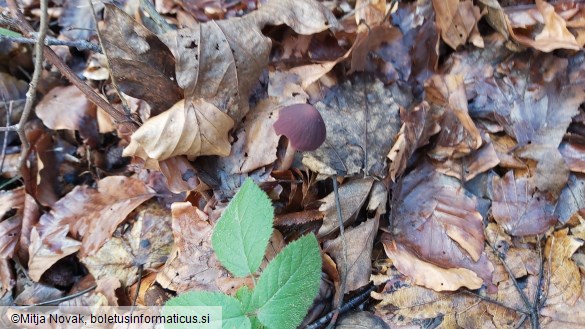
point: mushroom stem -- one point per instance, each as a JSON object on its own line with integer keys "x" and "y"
{"x": 289, "y": 156}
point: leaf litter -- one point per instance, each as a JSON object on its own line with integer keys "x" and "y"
{"x": 455, "y": 128}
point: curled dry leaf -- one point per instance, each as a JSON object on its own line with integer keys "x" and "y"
{"x": 571, "y": 202}
{"x": 303, "y": 16}
{"x": 427, "y": 274}
{"x": 519, "y": 208}
{"x": 11, "y": 199}
{"x": 574, "y": 156}
{"x": 554, "y": 34}
{"x": 435, "y": 219}
{"x": 90, "y": 215}
{"x": 457, "y": 21}
{"x": 188, "y": 128}
{"x": 459, "y": 135}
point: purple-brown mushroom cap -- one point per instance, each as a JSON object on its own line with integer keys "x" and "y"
{"x": 303, "y": 125}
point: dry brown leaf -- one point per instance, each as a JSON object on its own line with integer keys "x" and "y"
{"x": 574, "y": 156}
{"x": 554, "y": 34}
{"x": 459, "y": 134}
{"x": 572, "y": 199}
{"x": 47, "y": 250}
{"x": 565, "y": 280}
{"x": 427, "y": 274}
{"x": 567, "y": 315}
{"x": 147, "y": 243}
{"x": 457, "y": 22}
{"x": 415, "y": 132}
{"x": 11, "y": 199}
{"x": 361, "y": 319}
{"x": 67, "y": 108}
{"x": 303, "y": 16}
{"x": 519, "y": 208}
{"x": 142, "y": 65}
{"x": 187, "y": 128}
{"x": 468, "y": 167}
{"x": 411, "y": 304}
{"x": 435, "y": 219}
{"x": 352, "y": 196}
{"x": 9, "y": 234}
{"x": 360, "y": 240}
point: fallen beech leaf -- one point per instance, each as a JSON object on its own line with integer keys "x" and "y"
{"x": 11, "y": 199}
{"x": 567, "y": 315}
{"x": 261, "y": 139}
{"x": 361, "y": 118}
{"x": 574, "y": 156}
{"x": 352, "y": 196}
{"x": 13, "y": 92}
{"x": 370, "y": 40}
{"x": 360, "y": 241}
{"x": 457, "y": 22}
{"x": 411, "y": 304}
{"x": 468, "y": 167}
{"x": 47, "y": 250}
{"x": 303, "y": 16}
{"x": 91, "y": 215}
{"x": 519, "y": 207}
{"x": 554, "y": 34}
{"x": 9, "y": 234}
{"x": 415, "y": 132}
{"x": 188, "y": 128}
{"x": 147, "y": 243}
{"x": 361, "y": 319}
{"x": 436, "y": 220}
{"x": 142, "y": 65}
{"x": 429, "y": 275}
{"x": 459, "y": 135}
{"x": 565, "y": 280}
{"x": 572, "y": 199}
{"x": 68, "y": 108}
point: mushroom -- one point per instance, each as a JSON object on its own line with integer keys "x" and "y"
{"x": 303, "y": 125}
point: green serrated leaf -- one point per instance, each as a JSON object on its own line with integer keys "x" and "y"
{"x": 244, "y": 295}
{"x": 241, "y": 235}
{"x": 232, "y": 312}
{"x": 289, "y": 284}
{"x": 9, "y": 33}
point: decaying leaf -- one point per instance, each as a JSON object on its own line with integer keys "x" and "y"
{"x": 361, "y": 118}
{"x": 572, "y": 199}
{"x": 147, "y": 243}
{"x": 519, "y": 208}
{"x": 90, "y": 215}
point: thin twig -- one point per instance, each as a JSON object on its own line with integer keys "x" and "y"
{"x": 344, "y": 245}
{"x": 118, "y": 117}
{"x": 50, "y": 41}
{"x": 353, "y": 303}
{"x": 162, "y": 24}
{"x": 108, "y": 66}
{"x": 32, "y": 89}
{"x": 56, "y": 301}
{"x": 5, "y": 142}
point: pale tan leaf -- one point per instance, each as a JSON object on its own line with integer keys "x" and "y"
{"x": 188, "y": 128}
{"x": 430, "y": 275}
{"x": 565, "y": 279}
{"x": 147, "y": 243}
{"x": 554, "y": 34}
{"x": 66, "y": 108}
{"x": 303, "y": 16}
{"x": 457, "y": 20}
{"x": 46, "y": 251}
